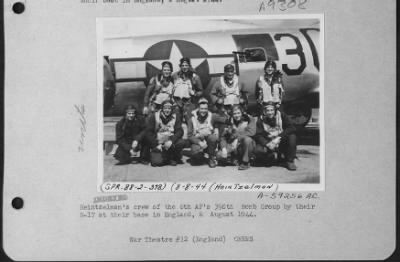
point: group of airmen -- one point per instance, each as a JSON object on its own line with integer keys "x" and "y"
{"x": 219, "y": 132}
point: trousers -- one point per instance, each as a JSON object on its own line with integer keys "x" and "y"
{"x": 287, "y": 146}
{"x": 197, "y": 152}
{"x": 160, "y": 158}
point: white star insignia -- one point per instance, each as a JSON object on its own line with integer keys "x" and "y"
{"x": 174, "y": 57}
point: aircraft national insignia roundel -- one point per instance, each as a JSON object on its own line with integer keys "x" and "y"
{"x": 173, "y": 51}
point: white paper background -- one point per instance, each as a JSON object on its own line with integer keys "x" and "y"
{"x": 50, "y": 55}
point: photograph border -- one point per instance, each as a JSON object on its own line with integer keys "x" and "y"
{"x": 279, "y": 186}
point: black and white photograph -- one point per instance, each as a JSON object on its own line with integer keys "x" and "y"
{"x": 142, "y": 130}
{"x": 212, "y": 99}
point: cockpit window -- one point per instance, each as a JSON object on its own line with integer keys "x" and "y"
{"x": 254, "y": 55}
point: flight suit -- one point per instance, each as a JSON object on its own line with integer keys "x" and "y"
{"x": 199, "y": 131}
{"x": 187, "y": 89}
{"x": 126, "y": 132}
{"x": 286, "y": 131}
{"x": 158, "y": 91}
{"x": 158, "y": 132}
